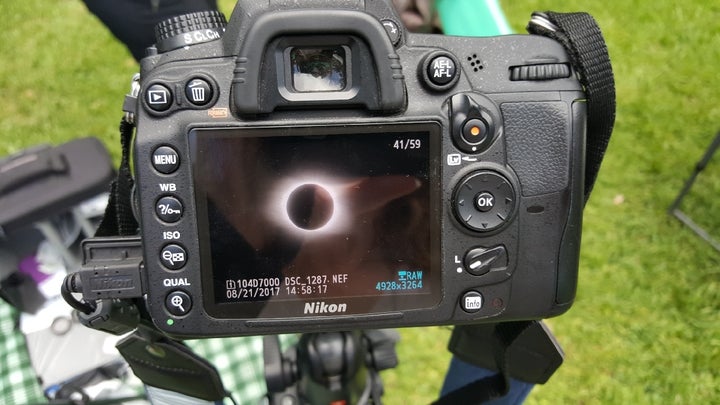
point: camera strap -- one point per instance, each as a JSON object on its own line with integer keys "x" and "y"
{"x": 118, "y": 219}
{"x": 583, "y": 40}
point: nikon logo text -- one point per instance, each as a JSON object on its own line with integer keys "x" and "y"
{"x": 323, "y": 308}
{"x": 111, "y": 283}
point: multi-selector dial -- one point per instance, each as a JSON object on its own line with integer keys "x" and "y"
{"x": 484, "y": 201}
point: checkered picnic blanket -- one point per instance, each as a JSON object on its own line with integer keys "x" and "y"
{"x": 18, "y": 383}
{"x": 239, "y": 361}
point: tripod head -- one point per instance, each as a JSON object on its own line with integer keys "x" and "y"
{"x": 329, "y": 368}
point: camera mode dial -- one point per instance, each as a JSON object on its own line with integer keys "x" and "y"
{"x": 189, "y": 29}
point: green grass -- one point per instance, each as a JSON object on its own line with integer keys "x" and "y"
{"x": 645, "y": 328}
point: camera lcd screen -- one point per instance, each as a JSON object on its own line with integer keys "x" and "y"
{"x": 345, "y": 219}
{"x": 318, "y": 68}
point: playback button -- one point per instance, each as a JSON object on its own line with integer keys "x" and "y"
{"x": 158, "y": 97}
{"x": 173, "y": 256}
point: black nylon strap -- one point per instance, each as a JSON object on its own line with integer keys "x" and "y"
{"x": 583, "y": 40}
{"x": 118, "y": 219}
{"x": 495, "y": 386}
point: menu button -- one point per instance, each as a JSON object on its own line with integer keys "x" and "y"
{"x": 165, "y": 159}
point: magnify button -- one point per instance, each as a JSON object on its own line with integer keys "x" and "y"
{"x": 178, "y": 303}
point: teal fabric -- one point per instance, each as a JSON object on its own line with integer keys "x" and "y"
{"x": 472, "y": 18}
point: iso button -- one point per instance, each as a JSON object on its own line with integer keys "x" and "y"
{"x": 173, "y": 256}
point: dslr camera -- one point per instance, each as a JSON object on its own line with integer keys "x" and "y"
{"x": 312, "y": 166}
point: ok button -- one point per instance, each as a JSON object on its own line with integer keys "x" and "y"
{"x": 484, "y": 201}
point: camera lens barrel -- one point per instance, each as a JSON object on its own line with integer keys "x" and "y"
{"x": 189, "y": 29}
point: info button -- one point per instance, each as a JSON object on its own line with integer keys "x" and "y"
{"x": 471, "y": 301}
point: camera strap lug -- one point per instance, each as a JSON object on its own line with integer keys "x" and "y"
{"x": 130, "y": 102}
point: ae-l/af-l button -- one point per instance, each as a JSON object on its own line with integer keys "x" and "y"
{"x": 440, "y": 71}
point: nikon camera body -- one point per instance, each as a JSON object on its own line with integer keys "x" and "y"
{"x": 312, "y": 166}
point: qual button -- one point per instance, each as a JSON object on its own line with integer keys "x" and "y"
{"x": 178, "y": 303}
